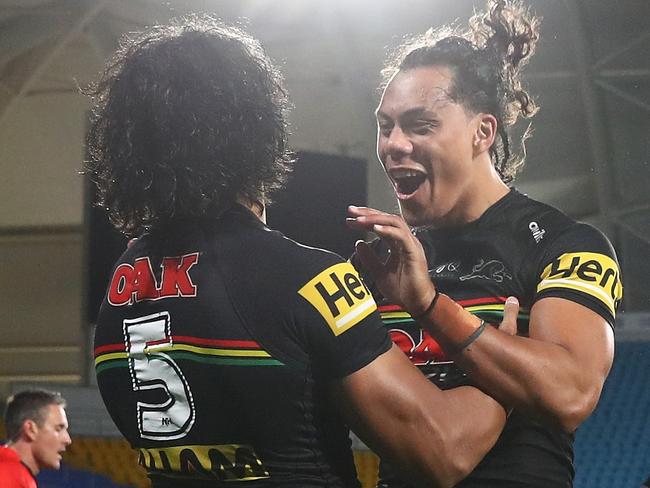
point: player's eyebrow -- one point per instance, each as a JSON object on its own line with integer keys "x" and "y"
{"x": 408, "y": 114}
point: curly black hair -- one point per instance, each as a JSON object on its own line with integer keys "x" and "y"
{"x": 486, "y": 61}
{"x": 187, "y": 118}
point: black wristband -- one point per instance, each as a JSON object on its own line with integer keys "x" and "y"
{"x": 473, "y": 336}
{"x": 429, "y": 308}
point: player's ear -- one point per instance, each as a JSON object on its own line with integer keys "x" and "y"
{"x": 484, "y": 133}
{"x": 30, "y": 429}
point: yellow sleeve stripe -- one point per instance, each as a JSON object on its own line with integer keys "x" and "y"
{"x": 594, "y": 274}
{"x": 595, "y": 291}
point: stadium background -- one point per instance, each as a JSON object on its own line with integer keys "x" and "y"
{"x": 590, "y": 156}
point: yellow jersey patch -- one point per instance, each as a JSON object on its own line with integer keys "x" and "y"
{"x": 591, "y": 273}
{"x": 225, "y": 462}
{"x": 340, "y": 296}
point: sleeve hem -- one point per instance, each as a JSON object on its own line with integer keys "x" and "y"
{"x": 583, "y": 300}
{"x": 363, "y": 360}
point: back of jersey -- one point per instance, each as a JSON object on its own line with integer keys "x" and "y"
{"x": 204, "y": 364}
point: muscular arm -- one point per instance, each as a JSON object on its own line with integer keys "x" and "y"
{"x": 556, "y": 374}
{"x": 434, "y": 436}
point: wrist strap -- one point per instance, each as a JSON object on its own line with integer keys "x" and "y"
{"x": 429, "y": 308}
{"x": 450, "y": 324}
{"x": 473, "y": 336}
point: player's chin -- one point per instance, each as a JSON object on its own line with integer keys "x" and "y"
{"x": 55, "y": 463}
{"x": 414, "y": 215}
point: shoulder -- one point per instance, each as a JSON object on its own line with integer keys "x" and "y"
{"x": 249, "y": 253}
{"x": 544, "y": 231}
{"x": 331, "y": 285}
{"x": 13, "y": 470}
{"x": 546, "y": 228}
{"x": 289, "y": 260}
{"x": 576, "y": 261}
{"x": 555, "y": 233}
{"x": 562, "y": 257}
{"x": 269, "y": 260}
{"x": 533, "y": 222}
{"x": 581, "y": 236}
{"x": 8, "y": 456}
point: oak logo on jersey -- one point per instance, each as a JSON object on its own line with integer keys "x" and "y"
{"x": 340, "y": 297}
{"x": 591, "y": 273}
{"x": 134, "y": 283}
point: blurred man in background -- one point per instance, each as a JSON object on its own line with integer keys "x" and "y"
{"x": 37, "y": 433}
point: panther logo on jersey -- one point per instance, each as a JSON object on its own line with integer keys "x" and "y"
{"x": 492, "y": 270}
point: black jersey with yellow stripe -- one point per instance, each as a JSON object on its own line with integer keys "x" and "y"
{"x": 518, "y": 247}
{"x": 213, "y": 349}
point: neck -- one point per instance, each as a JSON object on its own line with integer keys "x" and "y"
{"x": 485, "y": 189}
{"x": 256, "y": 207}
{"x": 25, "y": 453}
{"x": 484, "y": 198}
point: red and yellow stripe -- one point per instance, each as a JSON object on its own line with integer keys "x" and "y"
{"x": 488, "y": 308}
{"x": 216, "y": 351}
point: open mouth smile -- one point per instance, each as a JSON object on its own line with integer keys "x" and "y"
{"x": 406, "y": 181}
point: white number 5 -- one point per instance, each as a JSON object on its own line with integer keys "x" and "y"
{"x": 152, "y": 370}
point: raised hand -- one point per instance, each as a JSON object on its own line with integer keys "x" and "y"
{"x": 403, "y": 277}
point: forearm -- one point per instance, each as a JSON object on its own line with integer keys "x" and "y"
{"x": 435, "y": 438}
{"x": 536, "y": 377}
{"x": 541, "y": 378}
{"x": 467, "y": 424}
{"x": 475, "y": 423}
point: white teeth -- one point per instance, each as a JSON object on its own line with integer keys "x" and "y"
{"x": 404, "y": 173}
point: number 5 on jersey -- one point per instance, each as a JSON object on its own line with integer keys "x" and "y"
{"x": 150, "y": 370}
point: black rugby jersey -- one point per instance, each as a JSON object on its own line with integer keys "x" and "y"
{"x": 523, "y": 248}
{"x": 214, "y": 347}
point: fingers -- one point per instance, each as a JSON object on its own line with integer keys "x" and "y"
{"x": 510, "y": 313}
{"x": 366, "y": 218}
{"x": 369, "y": 258}
{"x": 370, "y": 214}
{"x": 355, "y": 211}
{"x": 391, "y": 227}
